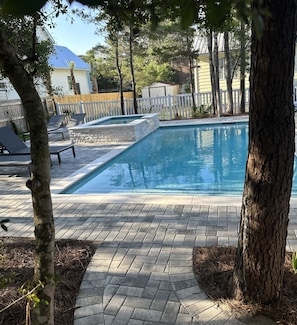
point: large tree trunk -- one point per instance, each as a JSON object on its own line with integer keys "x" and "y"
{"x": 39, "y": 184}
{"x": 228, "y": 74}
{"x": 258, "y": 272}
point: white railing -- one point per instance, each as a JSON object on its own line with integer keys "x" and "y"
{"x": 168, "y": 107}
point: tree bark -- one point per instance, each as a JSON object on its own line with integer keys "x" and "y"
{"x": 191, "y": 70}
{"x": 119, "y": 69}
{"x": 258, "y": 272}
{"x": 73, "y": 81}
{"x": 212, "y": 71}
{"x": 132, "y": 70}
{"x": 228, "y": 74}
{"x": 242, "y": 67}
{"x": 39, "y": 184}
{"x": 217, "y": 92}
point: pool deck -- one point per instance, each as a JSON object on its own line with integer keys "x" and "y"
{"x": 141, "y": 273}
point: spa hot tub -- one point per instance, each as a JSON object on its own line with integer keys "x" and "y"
{"x": 115, "y": 129}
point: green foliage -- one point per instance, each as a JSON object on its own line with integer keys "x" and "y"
{"x": 31, "y": 293}
{"x": 20, "y": 34}
{"x": 201, "y": 111}
{"x": 19, "y": 7}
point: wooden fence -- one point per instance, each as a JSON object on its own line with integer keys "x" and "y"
{"x": 12, "y": 113}
{"x": 91, "y": 97}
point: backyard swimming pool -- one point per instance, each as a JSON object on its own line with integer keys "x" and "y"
{"x": 204, "y": 160}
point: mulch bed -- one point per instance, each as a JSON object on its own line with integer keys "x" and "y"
{"x": 17, "y": 261}
{"x": 213, "y": 267}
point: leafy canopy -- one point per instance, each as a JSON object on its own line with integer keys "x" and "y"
{"x": 190, "y": 11}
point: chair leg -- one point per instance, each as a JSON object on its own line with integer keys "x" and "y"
{"x": 29, "y": 168}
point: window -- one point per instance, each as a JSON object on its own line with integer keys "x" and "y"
{"x": 69, "y": 82}
{"x": 221, "y": 68}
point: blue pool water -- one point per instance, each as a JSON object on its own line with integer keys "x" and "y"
{"x": 190, "y": 160}
{"x": 118, "y": 120}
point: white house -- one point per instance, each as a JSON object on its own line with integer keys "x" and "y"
{"x": 60, "y": 76}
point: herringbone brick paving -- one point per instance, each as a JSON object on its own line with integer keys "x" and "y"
{"x": 142, "y": 272}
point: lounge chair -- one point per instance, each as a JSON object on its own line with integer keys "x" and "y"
{"x": 53, "y": 123}
{"x": 15, "y": 146}
{"x": 75, "y": 119}
{"x": 15, "y": 161}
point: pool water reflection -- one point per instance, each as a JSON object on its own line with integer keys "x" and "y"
{"x": 190, "y": 160}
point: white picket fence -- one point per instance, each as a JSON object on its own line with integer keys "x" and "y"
{"x": 168, "y": 107}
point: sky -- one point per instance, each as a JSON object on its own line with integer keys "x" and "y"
{"x": 78, "y": 36}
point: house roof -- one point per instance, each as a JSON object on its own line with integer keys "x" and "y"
{"x": 62, "y": 57}
{"x": 200, "y": 43}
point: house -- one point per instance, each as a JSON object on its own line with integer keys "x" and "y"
{"x": 202, "y": 70}
{"x": 202, "y": 74}
{"x": 60, "y": 75}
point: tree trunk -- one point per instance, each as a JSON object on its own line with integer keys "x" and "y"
{"x": 132, "y": 71}
{"x": 191, "y": 71}
{"x": 120, "y": 76}
{"x": 39, "y": 184}
{"x": 73, "y": 81}
{"x": 258, "y": 272}
{"x": 217, "y": 75}
{"x": 212, "y": 72}
{"x": 94, "y": 80}
{"x": 228, "y": 74}
{"x": 242, "y": 67}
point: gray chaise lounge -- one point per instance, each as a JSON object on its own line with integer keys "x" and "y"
{"x": 14, "y": 145}
{"x": 15, "y": 161}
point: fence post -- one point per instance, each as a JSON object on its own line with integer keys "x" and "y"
{"x": 58, "y": 109}
{"x": 170, "y": 106}
{"x": 125, "y": 106}
{"x": 81, "y": 107}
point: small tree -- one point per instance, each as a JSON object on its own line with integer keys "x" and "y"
{"x": 228, "y": 74}
{"x": 22, "y": 81}
{"x": 72, "y": 77}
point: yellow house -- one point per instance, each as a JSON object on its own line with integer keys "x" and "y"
{"x": 202, "y": 70}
